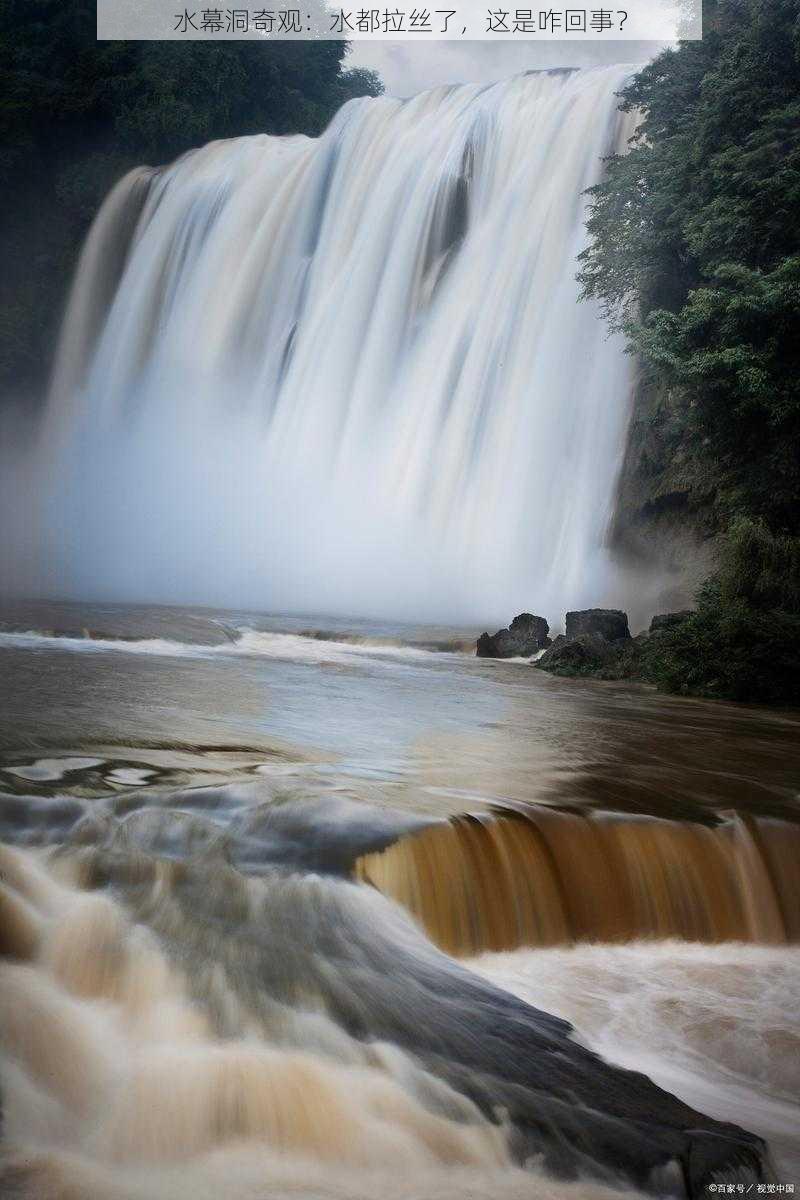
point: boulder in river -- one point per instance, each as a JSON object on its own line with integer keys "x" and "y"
{"x": 591, "y": 654}
{"x": 526, "y": 635}
{"x": 670, "y": 620}
{"x": 587, "y": 651}
{"x": 609, "y": 623}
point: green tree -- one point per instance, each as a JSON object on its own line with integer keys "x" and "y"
{"x": 695, "y": 248}
{"x": 695, "y": 255}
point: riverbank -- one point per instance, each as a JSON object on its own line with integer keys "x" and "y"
{"x": 713, "y": 652}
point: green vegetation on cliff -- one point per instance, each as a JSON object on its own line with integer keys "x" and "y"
{"x": 75, "y": 114}
{"x": 695, "y": 255}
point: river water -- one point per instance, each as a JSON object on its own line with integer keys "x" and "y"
{"x": 326, "y": 908}
{"x": 202, "y": 809}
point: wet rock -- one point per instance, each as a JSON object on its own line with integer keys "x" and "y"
{"x": 337, "y": 946}
{"x": 590, "y": 654}
{"x": 587, "y": 651}
{"x": 526, "y": 635}
{"x": 670, "y": 620}
{"x": 609, "y": 623}
{"x": 487, "y": 644}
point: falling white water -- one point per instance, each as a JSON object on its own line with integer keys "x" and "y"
{"x": 348, "y": 374}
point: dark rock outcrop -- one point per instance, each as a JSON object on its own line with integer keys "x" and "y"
{"x": 526, "y": 635}
{"x": 577, "y": 655}
{"x": 670, "y": 620}
{"x": 609, "y": 623}
{"x": 605, "y": 651}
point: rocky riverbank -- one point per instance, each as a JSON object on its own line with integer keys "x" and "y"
{"x": 597, "y": 643}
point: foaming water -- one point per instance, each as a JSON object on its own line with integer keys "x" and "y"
{"x": 352, "y": 371}
{"x": 716, "y": 1025}
{"x": 111, "y": 1068}
{"x": 312, "y": 646}
{"x": 156, "y": 1015}
{"x": 34, "y": 640}
{"x": 212, "y": 991}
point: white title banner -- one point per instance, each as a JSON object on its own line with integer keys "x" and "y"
{"x": 627, "y": 20}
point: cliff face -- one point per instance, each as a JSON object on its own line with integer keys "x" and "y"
{"x": 664, "y": 528}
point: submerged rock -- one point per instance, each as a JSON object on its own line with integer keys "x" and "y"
{"x": 670, "y": 620}
{"x": 526, "y": 635}
{"x": 610, "y": 623}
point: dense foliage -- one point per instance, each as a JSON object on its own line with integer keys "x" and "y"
{"x": 76, "y": 113}
{"x": 696, "y": 256}
{"x": 743, "y": 641}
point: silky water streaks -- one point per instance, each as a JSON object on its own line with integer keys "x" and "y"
{"x": 348, "y": 374}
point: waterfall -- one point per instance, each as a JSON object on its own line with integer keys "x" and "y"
{"x": 541, "y": 877}
{"x": 349, "y": 374}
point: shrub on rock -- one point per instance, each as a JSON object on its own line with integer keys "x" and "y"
{"x": 670, "y": 620}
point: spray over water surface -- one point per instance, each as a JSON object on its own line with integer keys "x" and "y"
{"x": 344, "y": 375}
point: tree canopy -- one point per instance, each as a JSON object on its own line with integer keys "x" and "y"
{"x": 696, "y": 246}
{"x": 695, "y": 255}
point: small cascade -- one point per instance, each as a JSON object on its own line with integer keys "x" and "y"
{"x": 543, "y": 877}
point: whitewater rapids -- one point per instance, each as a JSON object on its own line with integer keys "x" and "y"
{"x": 172, "y": 1028}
